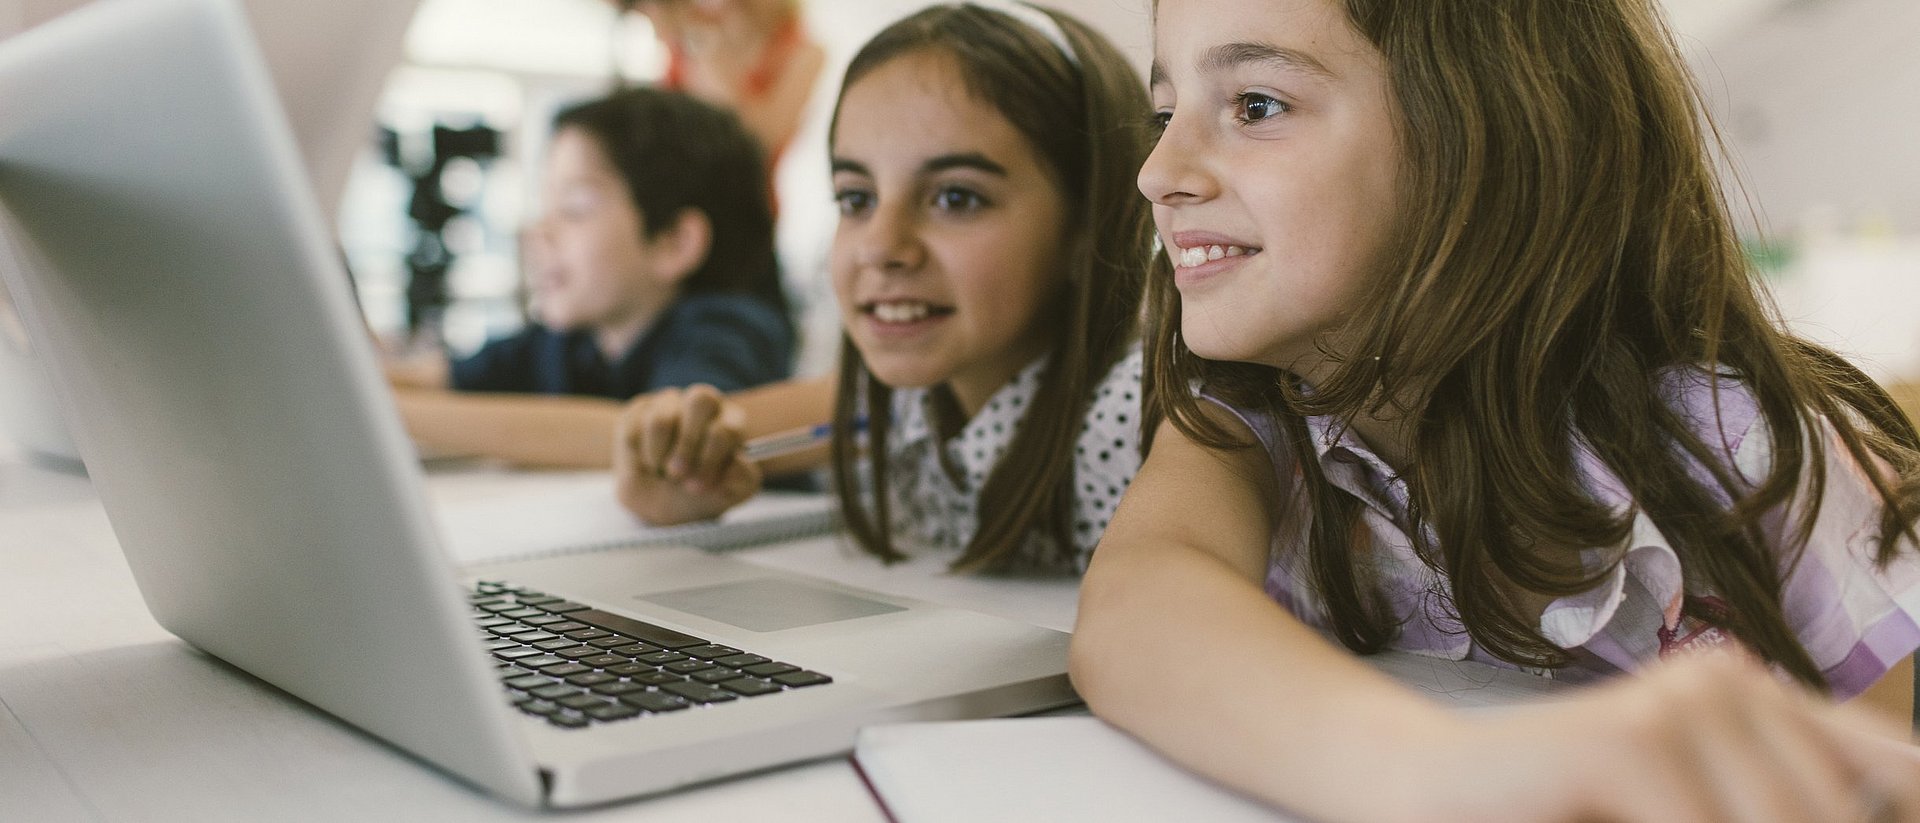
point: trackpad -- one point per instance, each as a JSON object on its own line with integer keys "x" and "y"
{"x": 770, "y": 604}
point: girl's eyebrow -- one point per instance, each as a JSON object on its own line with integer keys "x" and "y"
{"x": 961, "y": 160}
{"x": 1234, "y": 55}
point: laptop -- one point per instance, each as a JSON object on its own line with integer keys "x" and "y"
{"x": 170, "y": 263}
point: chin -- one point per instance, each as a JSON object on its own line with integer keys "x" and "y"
{"x": 898, "y": 375}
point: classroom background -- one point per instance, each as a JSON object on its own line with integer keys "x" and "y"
{"x": 1813, "y": 98}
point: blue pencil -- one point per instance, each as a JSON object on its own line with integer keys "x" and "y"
{"x": 792, "y": 440}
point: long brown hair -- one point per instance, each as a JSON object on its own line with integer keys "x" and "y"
{"x": 1083, "y": 114}
{"x": 1565, "y": 241}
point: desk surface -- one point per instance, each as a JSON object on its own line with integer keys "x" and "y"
{"x": 104, "y": 716}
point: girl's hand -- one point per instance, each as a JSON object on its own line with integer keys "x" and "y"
{"x": 1712, "y": 737}
{"x": 677, "y": 456}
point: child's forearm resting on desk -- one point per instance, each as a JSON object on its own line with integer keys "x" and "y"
{"x": 544, "y": 431}
{"x": 1178, "y": 643}
{"x": 1239, "y": 690}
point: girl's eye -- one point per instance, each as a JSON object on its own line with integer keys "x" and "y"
{"x": 1157, "y": 123}
{"x": 853, "y": 201}
{"x": 957, "y": 199}
{"x": 1253, "y": 107}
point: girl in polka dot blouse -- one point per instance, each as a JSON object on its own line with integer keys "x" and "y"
{"x": 989, "y": 267}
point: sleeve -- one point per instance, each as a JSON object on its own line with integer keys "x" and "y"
{"x": 503, "y": 365}
{"x": 1854, "y": 617}
{"x": 731, "y": 342}
{"x": 1107, "y": 455}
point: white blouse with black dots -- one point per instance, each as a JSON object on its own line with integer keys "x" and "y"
{"x": 935, "y": 512}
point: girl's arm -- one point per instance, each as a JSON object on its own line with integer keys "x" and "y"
{"x": 541, "y": 431}
{"x": 677, "y": 452}
{"x": 1178, "y": 644}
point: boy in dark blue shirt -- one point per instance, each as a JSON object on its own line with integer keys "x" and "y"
{"x": 652, "y": 266}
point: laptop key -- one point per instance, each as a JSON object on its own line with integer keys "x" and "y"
{"x": 564, "y": 626}
{"x": 626, "y": 669}
{"x": 582, "y": 701}
{"x": 497, "y": 644}
{"x": 591, "y": 678}
{"x": 554, "y": 691}
{"x": 556, "y": 643}
{"x": 540, "y": 662}
{"x": 578, "y": 652}
{"x": 563, "y": 606}
{"x": 543, "y": 620}
{"x": 709, "y": 651}
{"x": 493, "y": 620}
{"x": 565, "y": 669}
{"x": 658, "y": 678}
{"x": 536, "y": 599}
{"x": 568, "y": 720}
{"x": 687, "y": 666}
{"x": 770, "y": 669}
{"x": 618, "y": 687}
{"x": 612, "y": 711}
{"x": 749, "y": 686}
{"x": 715, "y": 675}
{"x": 801, "y": 678}
{"x": 740, "y": 660}
{"x": 662, "y": 658}
{"x": 529, "y": 681}
{"x": 635, "y": 649}
{"x": 522, "y": 613}
{"x": 698, "y": 692}
{"x": 647, "y": 632}
{"x": 517, "y": 652}
{"x": 655, "y": 702}
{"x": 604, "y": 661}
{"x": 612, "y": 641}
{"x": 541, "y": 708}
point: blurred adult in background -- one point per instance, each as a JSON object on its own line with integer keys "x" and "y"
{"x": 750, "y": 56}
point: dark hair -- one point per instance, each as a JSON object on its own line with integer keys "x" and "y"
{"x": 1565, "y": 244}
{"x": 676, "y": 153}
{"x": 1083, "y": 115}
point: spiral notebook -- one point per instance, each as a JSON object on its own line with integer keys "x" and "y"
{"x": 493, "y": 516}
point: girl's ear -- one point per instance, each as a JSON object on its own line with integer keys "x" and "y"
{"x": 681, "y": 248}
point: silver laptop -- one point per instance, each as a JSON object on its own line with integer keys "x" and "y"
{"x": 167, "y": 255}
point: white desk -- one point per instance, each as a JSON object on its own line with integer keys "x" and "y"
{"x": 104, "y": 716}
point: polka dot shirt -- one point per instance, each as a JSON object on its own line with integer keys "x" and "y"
{"x": 936, "y": 511}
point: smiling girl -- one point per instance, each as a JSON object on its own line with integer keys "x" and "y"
{"x": 1480, "y": 373}
{"x": 988, "y": 266}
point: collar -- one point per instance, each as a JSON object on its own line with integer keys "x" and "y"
{"x": 979, "y": 444}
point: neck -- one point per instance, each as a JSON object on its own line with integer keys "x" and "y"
{"x": 615, "y": 338}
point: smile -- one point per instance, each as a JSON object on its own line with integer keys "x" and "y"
{"x": 904, "y": 311}
{"x": 1188, "y": 258}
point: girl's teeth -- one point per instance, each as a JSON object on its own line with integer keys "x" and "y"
{"x": 1201, "y": 254}
{"x": 899, "y": 312}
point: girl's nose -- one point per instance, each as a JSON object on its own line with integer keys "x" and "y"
{"x": 1175, "y": 172}
{"x": 889, "y": 241}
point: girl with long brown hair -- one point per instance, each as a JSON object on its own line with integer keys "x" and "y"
{"x": 989, "y": 265}
{"x": 1454, "y": 352}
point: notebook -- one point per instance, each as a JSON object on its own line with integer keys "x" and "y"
{"x": 1078, "y": 769}
{"x": 176, "y": 279}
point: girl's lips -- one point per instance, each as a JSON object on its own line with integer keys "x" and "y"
{"x": 1193, "y": 275}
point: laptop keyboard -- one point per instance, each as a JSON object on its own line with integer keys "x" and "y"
{"x": 576, "y": 665}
